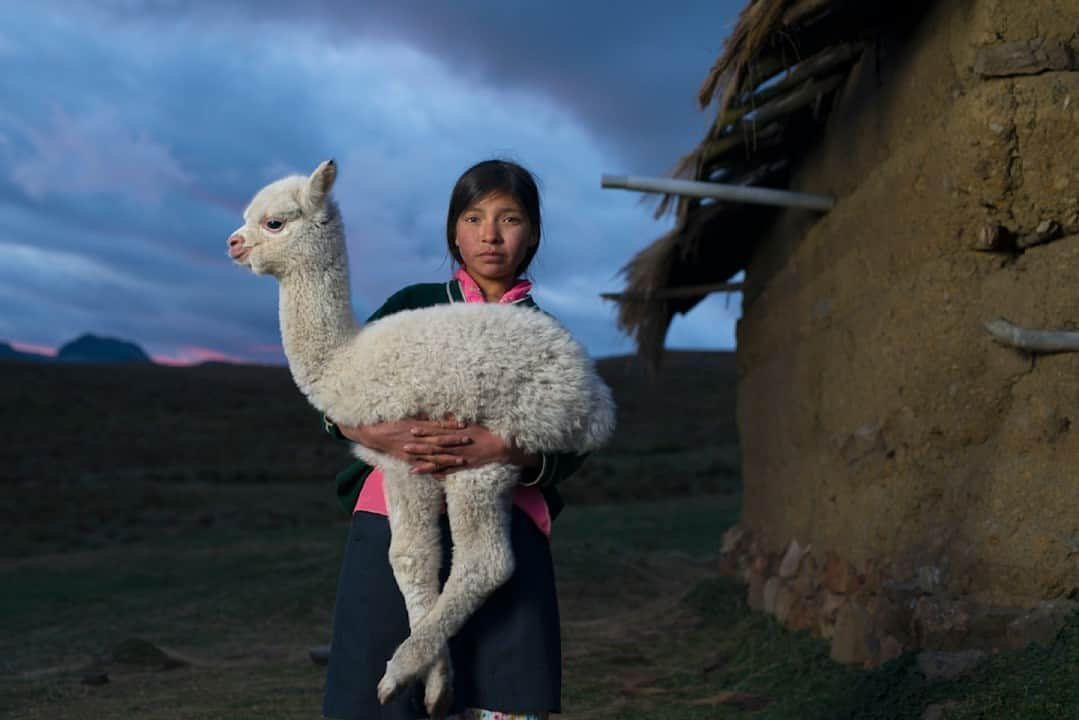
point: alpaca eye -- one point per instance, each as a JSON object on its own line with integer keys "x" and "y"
{"x": 274, "y": 224}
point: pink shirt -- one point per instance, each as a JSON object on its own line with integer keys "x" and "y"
{"x": 372, "y": 497}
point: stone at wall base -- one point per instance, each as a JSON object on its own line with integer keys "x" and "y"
{"x": 871, "y": 618}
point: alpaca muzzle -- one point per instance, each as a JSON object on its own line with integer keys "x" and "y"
{"x": 237, "y": 249}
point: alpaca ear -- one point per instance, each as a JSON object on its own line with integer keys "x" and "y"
{"x": 320, "y": 183}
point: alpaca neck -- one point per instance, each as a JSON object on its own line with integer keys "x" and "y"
{"x": 316, "y": 320}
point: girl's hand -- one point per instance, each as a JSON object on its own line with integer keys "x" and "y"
{"x": 484, "y": 447}
{"x": 416, "y": 441}
{"x": 439, "y": 447}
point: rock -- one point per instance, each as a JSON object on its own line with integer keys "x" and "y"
{"x": 802, "y": 615}
{"x": 320, "y": 654}
{"x": 1023, "y": 58}
{"x": 928, "y": 579}
{"x": 732, "y": 553}
{"x": 890, "y": 649}
{"x": 731, "y": 540}
{"x": 826, "y": 629}
{"x": 852, "y": 642}
{"x": 994, "y": 238}
{"x": 830, "y": 605}
{"x": 1071, "y": 224}
{"x": 785, "y": 599}
{"x": 143, "y": 654}
{"x": 940, "y": 623}
{"x": 936, "y": 710}
{"x": 1047, "y": 231}
{"x": 760, "y": 563}
{"x": 936, "y": 665}
{"x": 872, "y": 579}
{"x": 788, "y": 566}
{"x": 989, "y": 627}
{"x": 95, "y": 677}
{"x": 889, "y": 619}
{"x": 807, "y": 582}
{"x": 739, "y": 700}
{"x": 755, "y": 593}
{"x": 771, "y": 590}
{"x": 1040, "y": 625}
{"x": 863, "y": 442}
{"x": 839, "y": 575}
{"x": 903, "y": 594}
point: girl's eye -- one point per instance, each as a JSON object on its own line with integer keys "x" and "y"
{"x": 471, "y": 219}
{"x": 512, "y": 219}
{"x": 274, "y": 224}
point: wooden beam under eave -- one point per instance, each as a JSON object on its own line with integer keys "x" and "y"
{"x": 720, "y": 191}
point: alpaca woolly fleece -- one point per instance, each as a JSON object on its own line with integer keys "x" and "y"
{"x": 512, "y": 369}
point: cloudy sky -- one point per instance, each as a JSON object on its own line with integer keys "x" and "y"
{"x": 132, "y": 135}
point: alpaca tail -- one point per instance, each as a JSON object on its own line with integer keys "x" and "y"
{"x": 600, "y": 424}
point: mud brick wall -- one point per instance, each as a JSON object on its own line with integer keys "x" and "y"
{"x": 880, "y": 425}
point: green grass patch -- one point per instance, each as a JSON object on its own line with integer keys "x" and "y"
{"x": 650, "y": 631}
{"x": 710, "y": 657}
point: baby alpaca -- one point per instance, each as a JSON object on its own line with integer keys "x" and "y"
{"x": 512, "y": 369}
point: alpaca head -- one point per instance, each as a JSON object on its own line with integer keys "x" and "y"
{"x": 290, "y": 224}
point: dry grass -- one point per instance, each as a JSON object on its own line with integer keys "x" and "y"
{"x": 243, "y": 606}
{"x": 650, "y": 631}
{"x": 234, "y": 572}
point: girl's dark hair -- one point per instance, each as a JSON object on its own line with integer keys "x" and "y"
{"x": 491, "y": 176}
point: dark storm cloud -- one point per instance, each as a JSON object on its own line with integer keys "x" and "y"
{"x": 133, "y": 134}
{"x": 629, "y": 71}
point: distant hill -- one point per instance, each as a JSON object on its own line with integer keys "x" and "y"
{"x": 243, "y": 423}
{"x": 93, "y": 349}
{"x": 84, "y": 349}
{"x": 98, "y": 452}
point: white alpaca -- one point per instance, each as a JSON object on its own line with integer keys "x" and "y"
{"x": 514, "y": 370}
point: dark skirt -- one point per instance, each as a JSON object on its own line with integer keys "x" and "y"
{"x": 507, "y": 657}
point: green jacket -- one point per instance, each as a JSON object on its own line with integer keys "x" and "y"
{"x": 556, "y": 466}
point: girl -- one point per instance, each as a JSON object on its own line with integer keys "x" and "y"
{"x": 507, "y": 658}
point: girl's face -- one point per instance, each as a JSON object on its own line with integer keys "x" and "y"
{"x": 493, "y": 236}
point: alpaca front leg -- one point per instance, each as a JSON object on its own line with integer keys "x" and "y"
{"x": 478, "y": 504}
{"x": 414, "y": 503}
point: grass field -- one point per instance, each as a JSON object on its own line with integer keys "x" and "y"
{"x": 650, "y": 631}
{"x": 190, "y": 512}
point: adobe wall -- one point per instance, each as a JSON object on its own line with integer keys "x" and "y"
{"x": 934, "y": 474}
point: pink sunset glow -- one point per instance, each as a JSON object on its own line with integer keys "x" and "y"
{"x": 31, "y": 348}
{"x": 194, "y": 354}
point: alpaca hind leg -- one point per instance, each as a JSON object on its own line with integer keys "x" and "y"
{"x": 478, "y": 503}
{"x": 414, "y": 503}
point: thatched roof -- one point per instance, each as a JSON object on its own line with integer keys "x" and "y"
{"x": 773, "y": 88}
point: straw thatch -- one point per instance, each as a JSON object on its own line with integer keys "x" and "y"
{"x": 773, "y": 86}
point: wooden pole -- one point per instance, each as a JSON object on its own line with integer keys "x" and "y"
{"x": 794, "y": 100}
{"x": 731, "y": 193}
{"x": 809, "y": 68}
{"x": 1031, "y": 340}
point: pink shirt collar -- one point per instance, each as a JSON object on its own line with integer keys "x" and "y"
{"x": 473, "y": 294}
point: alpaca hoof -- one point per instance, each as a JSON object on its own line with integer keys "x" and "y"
{"x": 438, "y": 690}
{"x": 438, "y": 707}
{"x": 390, "y": 685}
{"x": 387, "y": 690}
{"x": 409, "y": 662}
